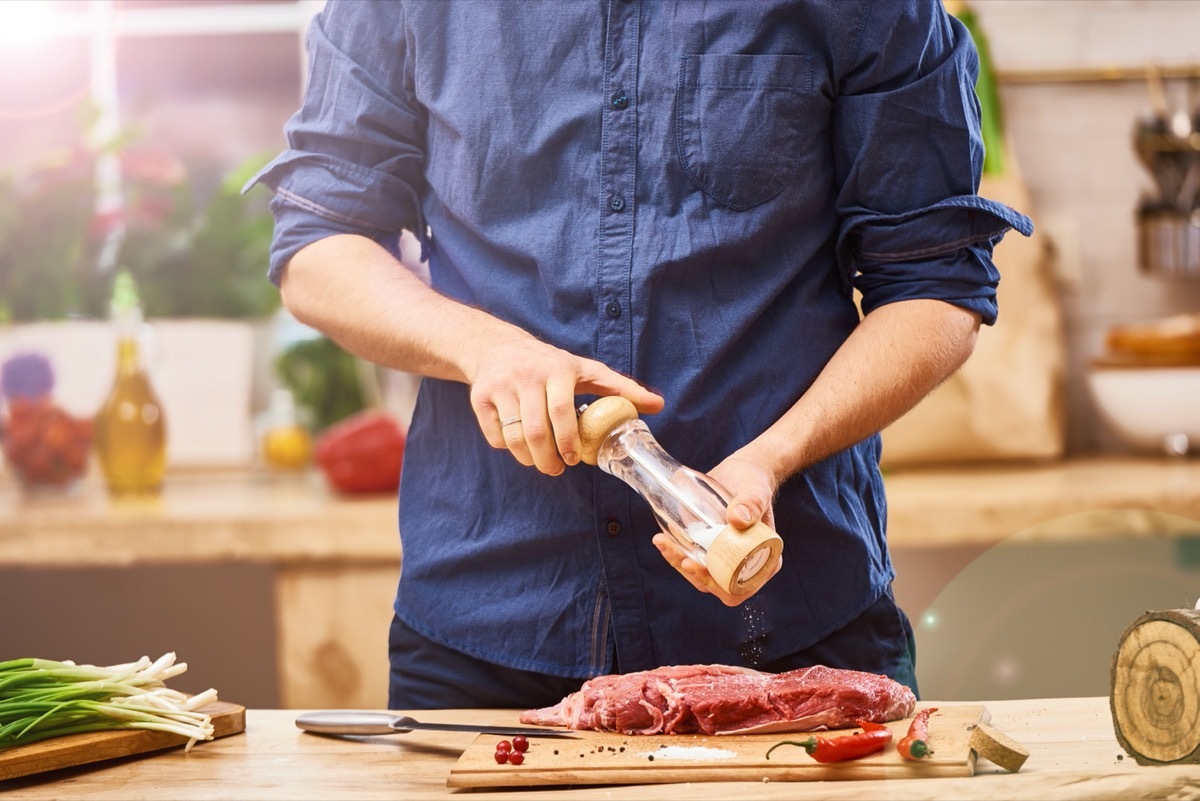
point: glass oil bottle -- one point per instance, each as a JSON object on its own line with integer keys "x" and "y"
{"x": 130, "y": 429}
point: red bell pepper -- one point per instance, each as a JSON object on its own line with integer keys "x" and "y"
{"x": 362, "y": 453}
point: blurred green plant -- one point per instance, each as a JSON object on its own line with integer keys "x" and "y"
{"x": 190, "y": 258}
{"x": 323, "y": 378}
{"x": 991, "y": 120}
{"x": 47, "y": 243}
{"x": 217, "y": 265}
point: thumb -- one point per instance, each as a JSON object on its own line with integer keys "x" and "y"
{"x": 743, "y": 512}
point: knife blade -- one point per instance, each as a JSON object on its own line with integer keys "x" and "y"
{"x": 366, "y": 722}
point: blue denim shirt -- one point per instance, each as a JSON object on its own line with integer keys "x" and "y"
{"x": 688, "y": 192}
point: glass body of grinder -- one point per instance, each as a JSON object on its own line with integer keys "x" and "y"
{"x": 689, "y": 505}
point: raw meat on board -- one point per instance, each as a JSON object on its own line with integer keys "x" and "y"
{"x": 719, "y": 699}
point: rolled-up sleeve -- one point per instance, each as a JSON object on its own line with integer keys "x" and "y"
{"x": 355, "y": 156}
{"x": 909, "y": 155}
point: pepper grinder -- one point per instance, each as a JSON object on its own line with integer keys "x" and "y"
{"x": 689, "y": 505}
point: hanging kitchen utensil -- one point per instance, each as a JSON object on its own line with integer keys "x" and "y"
{"x": 1164, "y": 143}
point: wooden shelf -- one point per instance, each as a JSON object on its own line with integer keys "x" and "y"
{"x": 1096, "y": 74}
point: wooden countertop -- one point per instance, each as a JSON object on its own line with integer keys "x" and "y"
{"x": 201, "y": 517}
{"x": 217, "y": 517}
{"x": 1073, "y": 754}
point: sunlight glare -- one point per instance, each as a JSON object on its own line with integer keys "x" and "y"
{"x": 25, "y": 24}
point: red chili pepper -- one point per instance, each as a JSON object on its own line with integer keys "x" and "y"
{"x": 915, "y": 744}
{"x": 872, "y": 738}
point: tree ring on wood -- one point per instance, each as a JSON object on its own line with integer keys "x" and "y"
{"x": 1155, "y": 697}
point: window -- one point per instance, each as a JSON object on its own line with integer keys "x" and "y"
{"x": 212, "y": 80}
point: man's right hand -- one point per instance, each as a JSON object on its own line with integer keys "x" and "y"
{"x": 524, "y": 393}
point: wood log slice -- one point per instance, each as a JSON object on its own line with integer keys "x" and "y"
{"x": 1155, "y": 698}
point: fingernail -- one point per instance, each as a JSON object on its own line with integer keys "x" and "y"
{"x": 570, "y": 457}
{"x": 741, "y": 513}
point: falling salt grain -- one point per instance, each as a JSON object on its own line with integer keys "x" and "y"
{"x": 752, "y": 648}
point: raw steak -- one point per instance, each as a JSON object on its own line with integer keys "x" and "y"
{"x": 717, "y": 699}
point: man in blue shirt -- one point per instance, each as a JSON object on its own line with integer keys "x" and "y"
{"x": 668, "y": 201}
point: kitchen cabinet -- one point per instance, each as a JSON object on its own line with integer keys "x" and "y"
{"x": 332, "y": 561}
{"x": 332, "y": 564}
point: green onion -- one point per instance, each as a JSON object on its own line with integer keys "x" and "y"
{"x": 42, "y": 698}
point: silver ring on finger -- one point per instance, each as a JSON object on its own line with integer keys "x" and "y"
{"x": 508, "y": 421}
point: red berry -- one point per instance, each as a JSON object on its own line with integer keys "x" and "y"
{"x": 520, "y": 743}
{"x": 503, "y": 756}
{"x": 516, "y": 758}
{"x": 504, "y": 745}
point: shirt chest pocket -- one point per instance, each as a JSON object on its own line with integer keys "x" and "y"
{"x": 744, "y": 123}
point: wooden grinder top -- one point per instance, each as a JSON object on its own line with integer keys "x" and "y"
{"x": 597, "y": 420}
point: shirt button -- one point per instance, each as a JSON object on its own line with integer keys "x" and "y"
{"x": 616, "y": 203}
{"x": 613, "y": 309}
{"x": 620, "y": 100}
{"x": 613, "y": 528}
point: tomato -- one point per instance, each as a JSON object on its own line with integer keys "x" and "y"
{"x": 45, "y": 445}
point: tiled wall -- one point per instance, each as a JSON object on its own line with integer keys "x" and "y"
{"x": 1072, "y": 139}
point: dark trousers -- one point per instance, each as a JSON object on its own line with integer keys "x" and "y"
{"x": 427, "y": 675}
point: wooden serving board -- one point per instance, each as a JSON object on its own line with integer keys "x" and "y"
{"x": 604, "y": 758}
{"x": 71, "y": 750}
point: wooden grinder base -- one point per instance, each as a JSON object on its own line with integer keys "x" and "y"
{"x": 1155, "y": 696}
{"x": 731, "y": 549}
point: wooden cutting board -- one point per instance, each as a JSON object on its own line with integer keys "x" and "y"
{"x": 80, "y": 749}
{"x": 604, "y": 758}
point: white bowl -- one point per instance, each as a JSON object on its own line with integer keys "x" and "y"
{"x": 1150, "y": 408}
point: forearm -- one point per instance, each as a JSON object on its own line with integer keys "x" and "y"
{"x": 358, "y": 294}
{"x": 896, "y": 356}
{"x": 522, "y": 390}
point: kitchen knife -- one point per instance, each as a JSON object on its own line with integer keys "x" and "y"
{"x": 358, "y": 721}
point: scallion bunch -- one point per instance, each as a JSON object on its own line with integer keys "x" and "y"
{"x": 42, "y": 698}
